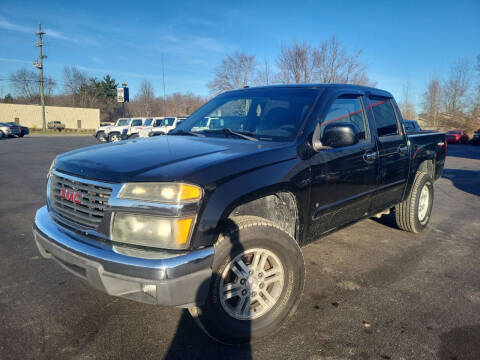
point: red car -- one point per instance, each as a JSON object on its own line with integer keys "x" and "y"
{"x": 457, "y": 137}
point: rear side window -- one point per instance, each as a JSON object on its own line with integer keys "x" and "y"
{"x": 137, "y": 122}
{"x": 384, "y": 115}
{"x": 346, "y": 109}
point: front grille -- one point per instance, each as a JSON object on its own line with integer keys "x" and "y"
{"x": 87, "y": 210}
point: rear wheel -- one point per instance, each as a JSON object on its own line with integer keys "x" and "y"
{"x": 101, "y": 137}
{"x": 257, "y": 282}
{"x": 414, "y": 213}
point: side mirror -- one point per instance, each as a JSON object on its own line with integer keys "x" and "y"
{"x": 340, "y": 134}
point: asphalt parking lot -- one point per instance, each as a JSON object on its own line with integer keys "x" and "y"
{"x": 372, "y": 291}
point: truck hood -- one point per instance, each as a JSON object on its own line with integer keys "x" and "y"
{"x": 172, "y": 158}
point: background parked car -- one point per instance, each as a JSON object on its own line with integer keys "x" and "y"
{"x": 150, "y": 127}
{"x": 457, "y": 137}
{"x": 476, "y": 138}
{"x": 100, "y": 132}
{"x": 23, "y": 129}
{"x": 56, "y": 125}
{"x": 8, "y": 130}
{"x": 166, "y": 124}
{"x": 412, "y": 125}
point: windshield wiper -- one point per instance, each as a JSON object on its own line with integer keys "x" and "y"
{"x": 185, "y": 132}
{"x": 228, "y": 131}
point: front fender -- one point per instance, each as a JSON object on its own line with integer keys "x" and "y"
{"x": 291, "y": 175}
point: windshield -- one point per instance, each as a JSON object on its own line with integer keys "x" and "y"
{"x": 453, "y": 132}
{"x": 148, "y": 122}
{"x": 123, "y": 122}
{"x": 168, "y": 121}
{"x": 136, "y": 122}
{"x": 272, "y": 114}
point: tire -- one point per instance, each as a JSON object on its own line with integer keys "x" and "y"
{"x": 256, "y": 238}
{"x": 2, "y": 135}
{"x": 115, "y": 137}
{"x": 413, "y": 214}
{"x": 100, "y": 136}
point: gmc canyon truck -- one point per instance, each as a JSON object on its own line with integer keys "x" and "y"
{"x": 213, "y": 220}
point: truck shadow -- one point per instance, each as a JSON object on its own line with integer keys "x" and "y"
{"x": 465, "y": 180}
{"x": 387, "y": 220}
{"x": 461, "y": 343}
{"x": 190, "y": 342}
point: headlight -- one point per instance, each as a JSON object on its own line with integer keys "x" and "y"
{"x": 175, "y": 193}
{"x": 152, "y": 231}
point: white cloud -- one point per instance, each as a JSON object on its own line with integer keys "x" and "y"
{"x": 16, "y": 61}
{"x": 7, "y": 25}
{"x": 4, "y": 24}
{"x": 96, "y": 60}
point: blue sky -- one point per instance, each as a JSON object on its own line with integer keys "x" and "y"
{"x": 402, "y": 40}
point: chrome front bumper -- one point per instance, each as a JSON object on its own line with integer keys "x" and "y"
{"x": 169, "y": 280}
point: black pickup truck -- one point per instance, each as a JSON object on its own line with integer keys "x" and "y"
{"x": 213, "y": 219}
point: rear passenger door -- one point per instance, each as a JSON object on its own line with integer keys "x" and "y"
{"x": 393, "y": 153}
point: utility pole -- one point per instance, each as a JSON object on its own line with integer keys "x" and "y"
{"x": 39, "y": 65}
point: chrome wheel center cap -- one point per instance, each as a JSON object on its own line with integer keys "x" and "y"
{"x": 252, "y": 282}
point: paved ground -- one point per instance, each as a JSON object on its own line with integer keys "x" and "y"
{"x": 372, "y": 291}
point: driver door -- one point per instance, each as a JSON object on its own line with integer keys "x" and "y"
{"x": 343, "y": 178}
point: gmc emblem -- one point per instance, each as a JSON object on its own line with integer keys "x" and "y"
{"x": 70, "y": 196}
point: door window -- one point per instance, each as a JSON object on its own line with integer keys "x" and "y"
{"x": 384, "y": 115}
{"x": 347, "y": 110}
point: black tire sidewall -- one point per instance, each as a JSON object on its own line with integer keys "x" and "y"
{"x": 424, "y": 180}
{"x": 214, "y": 318}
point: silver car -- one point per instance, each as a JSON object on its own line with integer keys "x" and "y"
{"x": 7, "y": 130}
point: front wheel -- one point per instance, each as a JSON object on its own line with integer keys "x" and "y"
{"x": 414, "y": 213}
{"x": 257, "y": 282}
{"x": 115, "y": 137}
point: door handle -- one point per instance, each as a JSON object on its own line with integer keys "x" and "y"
{"x": 402, "y": 149}
{"x": 370, "y": 156}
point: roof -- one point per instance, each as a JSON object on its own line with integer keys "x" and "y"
{"x": 331, "y": 87}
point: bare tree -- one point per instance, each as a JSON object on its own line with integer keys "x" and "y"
{"x": 75, "y": 85}
{"x": 328, "y": 63}
{"x": 234, "y": 72}
{"x": 26, "y": 84}
{"x": 146, "y": 97}
{"x": 432, "y": 102}
{"x": 476, "y": 102}
{"x": 296, "y": 63}
{"x": 406, "y": 106}
{"x": 456, "y": 87}
{"x": 333, "y": 64}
